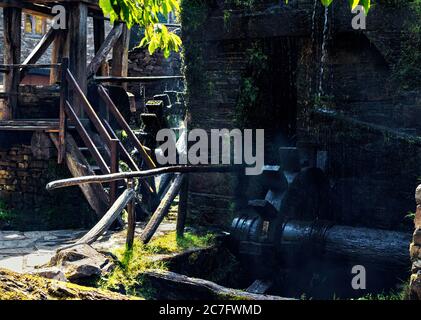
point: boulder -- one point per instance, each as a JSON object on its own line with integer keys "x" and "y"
{"x": 81, "y": 263}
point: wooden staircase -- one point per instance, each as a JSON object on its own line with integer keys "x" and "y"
{"x": 88, "y": 145}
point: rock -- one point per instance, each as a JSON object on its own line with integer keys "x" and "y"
{"x": 417, "y": 219}
{"x": 416, "y": 266}
{"x": 417, "y": 236}
{"x": 14, "y": 286}
{"x": 415, "y": 286}
{"x": 414, "y": 251}
{"x": 81, "y": 263}
{"x": 418, "y": 195}
{"x": 51, "y": 273}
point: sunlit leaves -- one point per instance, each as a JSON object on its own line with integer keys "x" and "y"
{"x": 146, "y": 13}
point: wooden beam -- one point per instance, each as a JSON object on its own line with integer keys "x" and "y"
{"x": 120, "y": 64}
{"x": 168, "y": 285}
{"x": 108, "y": 219}
{"x": 77, "y": 42}
{"x": 105, "y": 48}
{"x": 183, "y": 206}
{"x": 99, "y": 38}
{"x": 12, "y": 51}
{"x": 162, "y": 209}
{"x": 78, "y": 166}
{"x": 57, "y": 55}
{"x": 39, "y": 50}
{"x": 141, "y": 174}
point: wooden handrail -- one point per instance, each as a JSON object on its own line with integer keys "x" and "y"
{"x": 126, "y": 156}
{"x": 92, "y": 115}
{"x": 140, "y": 175}
{"x": 86, "y": 138}
{"x": 125, "y": 126}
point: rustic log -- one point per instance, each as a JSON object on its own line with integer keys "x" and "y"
{"x": 173, "y": 286}
{"x": 162, "y": 209}
{"x": 138, "y": 174}
{"x": 77, "y": 45}
{"x": 105, "y": 48}
{"x": 12, "y": 51}
{"x": 384, "y": 248}
{"x": 131, "y": 218}
{"x": 182, "y": 207}
{"x": 78, "y": 166}
{"x": 120, "y": 63}
{"x": 108, "y": 219}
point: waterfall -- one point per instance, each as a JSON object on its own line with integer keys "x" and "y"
{"x": 324, "y": 50}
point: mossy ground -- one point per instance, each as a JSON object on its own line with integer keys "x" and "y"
{"x": 127, "y": 277}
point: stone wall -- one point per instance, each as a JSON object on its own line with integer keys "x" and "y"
{"x": 373, "y": 161}
{"x": 26, "y": 166}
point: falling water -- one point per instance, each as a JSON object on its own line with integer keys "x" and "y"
{"x": 324, "y": 50}
{"x": 313, "y": 23}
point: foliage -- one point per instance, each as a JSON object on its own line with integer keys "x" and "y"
{"x": 401, "y": 294}
{"x": 6, "y": 215}
{"x": 127, "y": 277}
{"x": 146, "y": 14}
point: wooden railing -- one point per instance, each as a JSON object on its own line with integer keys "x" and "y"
{"x": 67, "y": 110}
{"x": 112, "y": 108}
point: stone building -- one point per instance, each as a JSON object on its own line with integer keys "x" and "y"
{"x": 302, "y": 73}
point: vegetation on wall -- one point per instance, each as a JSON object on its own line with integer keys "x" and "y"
{"x": 407, "y": 71}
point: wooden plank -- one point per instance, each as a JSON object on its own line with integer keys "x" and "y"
{"x": 77, "y": 45}
{"x": 78, "y": 166}
{"x": 110, "y": 216}
{"x": 120, "y": 64}
{"x": 12, "y": 51}
{"x": 162, "y": 209}
{"x": 63, "y": 120}
{"x": 131, "y": 218}
{"x": 40, "y": 49}
{"x": 105, "y": 48}
{"x": 137, "y": 79}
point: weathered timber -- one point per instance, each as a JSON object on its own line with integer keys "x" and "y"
{"x": 162, "y": 209}
{"x": 120, "y": 63}
{"x": 137, "y": 79}
{"x": 86, "y": 138}
{"x": 29, "y": 125}
{"x": 182, "y": 206}
{"x": 77, "y": 45}
{"x": 109, "y": 217}
{"x": 138, "y": 174}
{"x": 384, "y": 248}
{"x": 57, "y": 55}
{"x": 12, "y": 51}
{"x": 40, "y": 49}
{"x": 99, "y": 37}
{"x": 95, "y": 194}
{"x": 173, "y": 286}
{"x": 131, "y": 218}
{"x": 125, "y": 126}
{"x": 105, "y": 48}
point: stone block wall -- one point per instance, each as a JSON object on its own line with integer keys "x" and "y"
{"x": 23, "y": 177}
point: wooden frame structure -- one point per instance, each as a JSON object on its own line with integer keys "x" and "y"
{"x": 70, "y": 42}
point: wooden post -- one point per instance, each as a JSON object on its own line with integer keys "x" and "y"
{"x": 183, "y": 206}
{"x": 131, "y": 219}
{"x": 77, "y": 41}
{"x": 63, "y": 122}
{"x": 99, "y": 37}
{"x": 12, "y": 52}
{"x": 113, "y": 168}
{"x": 57, "y": 55}
{"x": 120, "y": 65}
